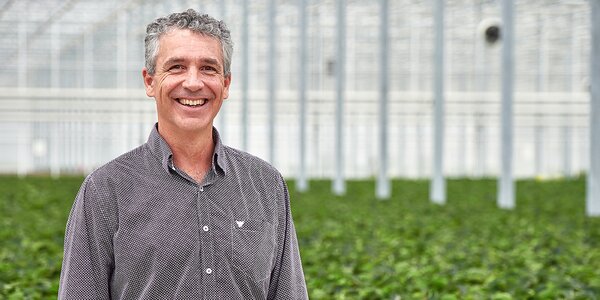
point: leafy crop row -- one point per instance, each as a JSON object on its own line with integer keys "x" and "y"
{"x": 357, "y": 247}
{"x": 33, "y": 216}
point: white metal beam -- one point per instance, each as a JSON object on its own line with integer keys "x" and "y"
{"x": 506, "y": 191}
{"x": 383, "y": 189}
{"x": 438, "y": 184}
{"x": 593, "y": 181}
{"x": 302, "y": 182}
{"x": 339, "y": 184}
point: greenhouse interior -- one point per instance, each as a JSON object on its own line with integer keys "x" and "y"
{"x": 72, "y": 93}
{"x": 74, "y": 69}
{"x": 432, "y": 149}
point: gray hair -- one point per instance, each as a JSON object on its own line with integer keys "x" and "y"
{"x": 191, "y": 20}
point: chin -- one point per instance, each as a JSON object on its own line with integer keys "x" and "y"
{"x": 192, "y": 125}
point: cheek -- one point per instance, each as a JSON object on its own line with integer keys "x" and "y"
{"x": 219, "y": 87}
{"x": 167, "y": 83}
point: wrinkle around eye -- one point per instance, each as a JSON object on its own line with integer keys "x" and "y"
{"x": 162, "y": 77}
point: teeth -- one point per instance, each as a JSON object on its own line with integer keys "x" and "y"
{"x": 190, "y": 102}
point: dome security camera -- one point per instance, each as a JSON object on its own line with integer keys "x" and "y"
{"x": 490, "y": 30}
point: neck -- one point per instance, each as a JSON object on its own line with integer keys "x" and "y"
{"x": 192, "y": 151}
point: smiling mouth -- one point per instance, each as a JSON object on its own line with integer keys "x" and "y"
{"x": 191, "y": 102}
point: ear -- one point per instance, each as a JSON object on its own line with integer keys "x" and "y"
{"x": 226, "y": 84}
{"x": 148, "y": 82}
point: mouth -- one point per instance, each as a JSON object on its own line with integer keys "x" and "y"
{"x": 191, "y": 102}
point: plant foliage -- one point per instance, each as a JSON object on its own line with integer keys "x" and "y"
{"x": 358, "y": 247}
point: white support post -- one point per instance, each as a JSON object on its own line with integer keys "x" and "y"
{"x": 245, "y": 72}
{"x": 121, "y": 68}
{"x": 55, "y": 56}
{"x": 223, "y": 111}
{"x": 415, "y": 51}
{"x": 593, "y": 179}
{"x": 90, "y": 137}
{"x": 383, "y": 182}
{"x": 22, "y": 52}
{"x": 272, "y": 77}
{"x": 506, "y": 192}
{"x": 541, "y": 87}
{"x": 567, "y": 127}
{"x": 438, "y": 184}
{"x": 339, "y": 184}
{"x": 55, "y": 84}
{"x": 302, "y": 182}
{"x": 24, "y": 156}
{"x": 415, "y": 82}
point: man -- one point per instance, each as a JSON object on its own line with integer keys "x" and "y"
{"x": 183, "y": 216}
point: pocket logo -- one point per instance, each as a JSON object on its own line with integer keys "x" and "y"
{"x": 239, "y": 223}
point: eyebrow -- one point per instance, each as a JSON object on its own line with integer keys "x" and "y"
{"x": 173, "y": 60}
{"x": 176, "y": 60}
{"x": 210, "y": 61}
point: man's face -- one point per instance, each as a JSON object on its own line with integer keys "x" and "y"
{"x": 189, "y": 84}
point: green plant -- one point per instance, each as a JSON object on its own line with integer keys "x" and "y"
{"x": 358, "y": 247}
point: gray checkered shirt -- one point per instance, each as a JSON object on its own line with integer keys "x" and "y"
{"x": 141, "y": 229}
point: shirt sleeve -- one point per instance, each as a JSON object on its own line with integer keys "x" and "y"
{"x": 287, "y": 280}
{"x": 88, "y": 257}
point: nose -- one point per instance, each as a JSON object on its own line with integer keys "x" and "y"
{"x": 193, "y": 81}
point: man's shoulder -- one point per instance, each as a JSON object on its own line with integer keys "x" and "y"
{"x": 123, "y": 166}
{"x": 237, "y": 159}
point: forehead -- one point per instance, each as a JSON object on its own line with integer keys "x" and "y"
{"x": 188, "y": 44}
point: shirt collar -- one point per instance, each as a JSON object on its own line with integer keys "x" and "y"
{"x": 219, "y": 154}
{"x": 161, "y": 150}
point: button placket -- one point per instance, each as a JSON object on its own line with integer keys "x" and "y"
{"x": 206, "y": 248}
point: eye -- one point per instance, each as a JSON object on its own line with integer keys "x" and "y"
{"x": 208, "y": 69}
{"x": 176, "y": 68}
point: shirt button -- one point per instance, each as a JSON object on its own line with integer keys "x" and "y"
{"x": 208, "y": 271}
{"x": 202, "y": 189}
{"x": 205, "y": 228}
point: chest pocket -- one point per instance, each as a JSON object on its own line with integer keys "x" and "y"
{"x": 253, "y": 247}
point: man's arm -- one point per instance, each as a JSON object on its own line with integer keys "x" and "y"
{"x": 88, "y": 256}
{"x": 287, "y": 280}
